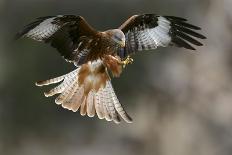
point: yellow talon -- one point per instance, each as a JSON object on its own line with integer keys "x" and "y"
{"x": 128, "y": 60}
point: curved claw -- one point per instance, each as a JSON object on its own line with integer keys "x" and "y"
{"x": 128, "y": 60}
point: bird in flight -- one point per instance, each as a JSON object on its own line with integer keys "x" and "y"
{"x": 97, "y": 55}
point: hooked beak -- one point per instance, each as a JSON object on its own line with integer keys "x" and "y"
{"x": 122, "y": 43}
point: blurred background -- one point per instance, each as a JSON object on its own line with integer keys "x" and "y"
{"x": 181, "y": 101}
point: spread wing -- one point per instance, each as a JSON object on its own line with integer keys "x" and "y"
{"x": 69, "y": 34}
{"x": 149, "y": 31}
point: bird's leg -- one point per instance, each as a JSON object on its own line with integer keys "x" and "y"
{"x": 128, "y": 60}
{"x": 114, "y": 64}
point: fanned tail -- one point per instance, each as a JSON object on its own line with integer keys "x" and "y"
{"x": 101, "y": 101}
{"x": 57, "y": 79}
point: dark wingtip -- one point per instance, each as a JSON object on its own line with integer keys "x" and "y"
{"x": 176, "y": 18}
{"x": 199, "y": 36}
{"x": 117, "y": 120}
{"x": 203, "y": 37}
{"x": 129, "y": 119}
{"x": 30, "y": 26}
{"x": 18, "y": 35}
{"x": 190, "y": 26}
{"x": 193, "y": 49}
{"x": 39, "y": 83}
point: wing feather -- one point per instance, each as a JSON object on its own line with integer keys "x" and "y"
{"x": 182, "y": 43}
{"x": 63, "y": 32}
{"x": 188, "y": 38}
{"x": 149, "y": 31}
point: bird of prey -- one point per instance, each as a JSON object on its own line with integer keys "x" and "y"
{"x": 97, "y": 54}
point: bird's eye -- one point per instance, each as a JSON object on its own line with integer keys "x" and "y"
{"x": 117, "y": 38}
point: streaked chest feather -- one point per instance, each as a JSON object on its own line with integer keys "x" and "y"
{"x": 94, "y": 48}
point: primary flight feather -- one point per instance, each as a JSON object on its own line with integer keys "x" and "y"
{"x": 88, "y": 88}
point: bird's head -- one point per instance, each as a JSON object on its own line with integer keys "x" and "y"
{"x": 118, "y": 37}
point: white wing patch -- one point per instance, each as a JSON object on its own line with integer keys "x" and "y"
{"x": 143, "y": 38}
{"x": 160, "y": 34}
{"x": 146, "y": 40}
{"x": 44, "y": 30}
{"x": 149, "y": 31}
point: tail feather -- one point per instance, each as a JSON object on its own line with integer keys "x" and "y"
{"x": 67, "y": 92}
{"x": 90, "y": 106}
{"x": 70, "y": 93}
{"x": 83, "y": 107}
{"x": 106, "y": 112}
{"x": 118, "y": 106}
{"x": 77, "y": 99}
{"x": 59, "y": 89}
{"x": 113, "y": 112}
{"x": 102, "y": 102}
{"x": 50, "y": 81}
{"x": 66, "y": 101}
{"x": 56, "y": 90}
{"x": 108, "y": 104}
{"x": 57, "y": 79}
{"x": 104, "y": 106}
{"x": 99, "y": 107}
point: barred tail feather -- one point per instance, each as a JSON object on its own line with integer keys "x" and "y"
{"x": 75, "y": 102}
{"x": 50, "y": 81}
{"x": 57, "y": 79}
{"x": 83, "y": 107}
{"x": 117, "y": 105}
{"x": 98, "y": 106}
{"x": 60, "y": 88}
{"x": 67, "y": 92}
{"x": 90, "y": 106}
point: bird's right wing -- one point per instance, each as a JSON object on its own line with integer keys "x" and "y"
{"x": 149, "y": 31}
{"x": 69, "y": 34}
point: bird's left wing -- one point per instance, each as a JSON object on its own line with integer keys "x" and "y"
{"x": 149, "y": 31}
{"x": 69, "y": 34}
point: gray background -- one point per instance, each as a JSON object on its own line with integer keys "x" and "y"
{"x": 181, "y": 101}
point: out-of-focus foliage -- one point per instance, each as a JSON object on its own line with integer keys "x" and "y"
{"x": 181, "y": 101}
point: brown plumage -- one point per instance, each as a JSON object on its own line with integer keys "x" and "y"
{"x": 94, "y": 53}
